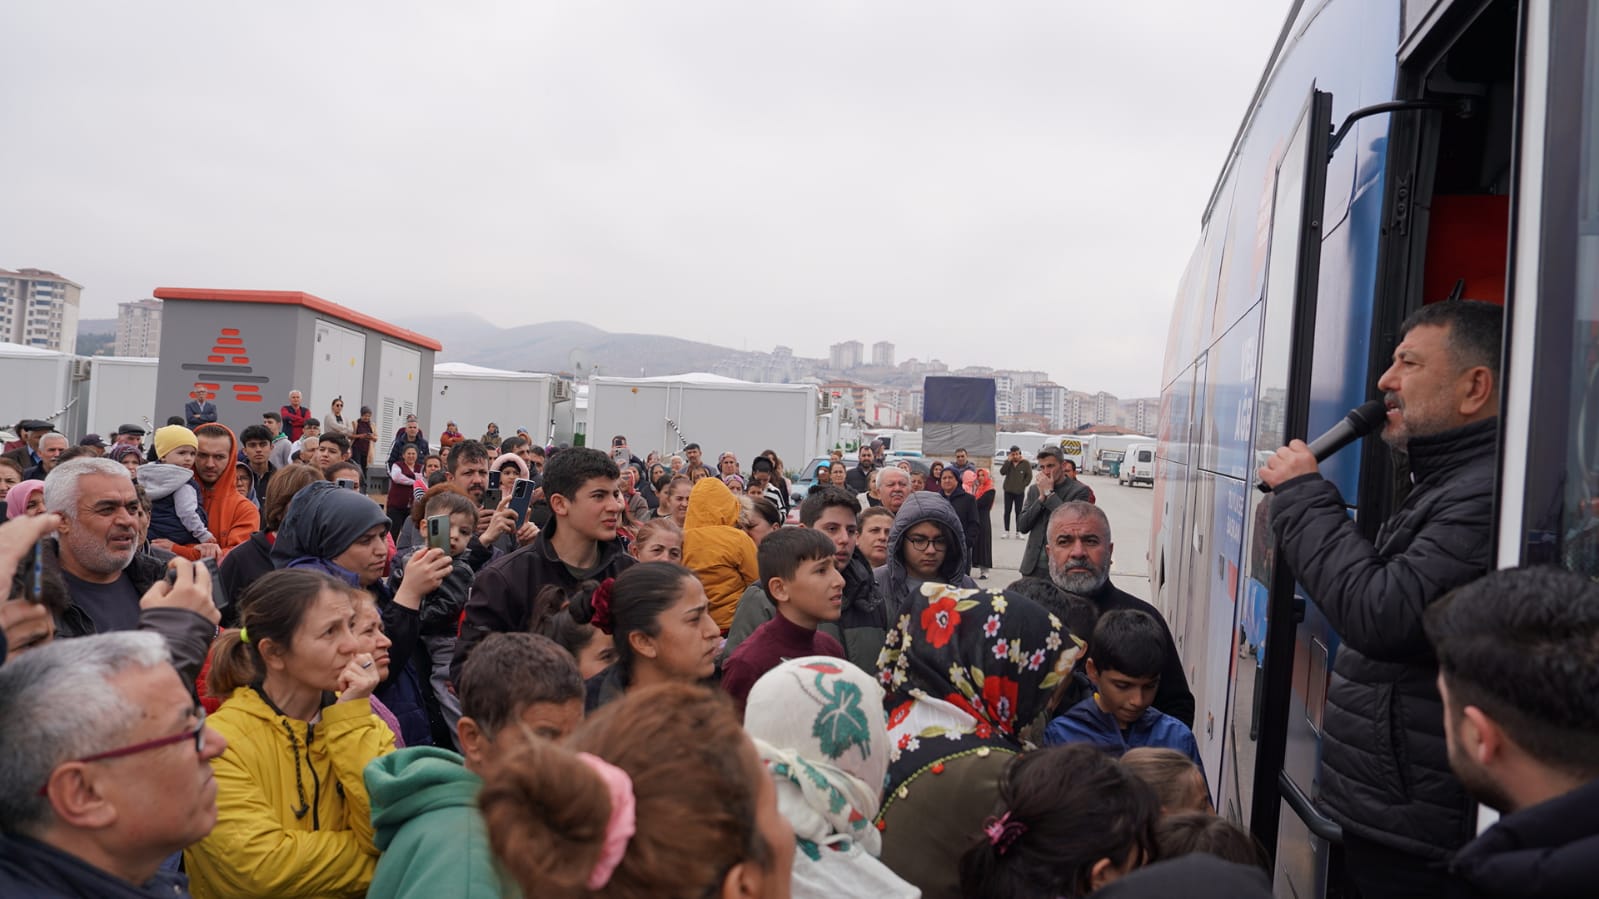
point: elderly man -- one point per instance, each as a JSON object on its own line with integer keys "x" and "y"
{"x": 294, "y": 415}
{"x": 1050, "y": 490}
{"x": 105, "y": 770}
{"x": 111, "y": 586}
{"x": 1078, "y": 553}
{"x": 51, "y": 446}
{"x": 200, "y": 410}
{"x": 893, "y": 487}
{"x": 130, "y": 435}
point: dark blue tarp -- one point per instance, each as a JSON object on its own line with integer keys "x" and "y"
{"x": 958, "y": 400}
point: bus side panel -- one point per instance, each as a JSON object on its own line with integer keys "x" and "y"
{"x": 1215, "y": 686}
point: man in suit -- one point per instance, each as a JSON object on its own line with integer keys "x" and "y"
{"x": 200, "y": 410}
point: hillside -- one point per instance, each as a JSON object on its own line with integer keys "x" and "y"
{"x": 548, "y": 347}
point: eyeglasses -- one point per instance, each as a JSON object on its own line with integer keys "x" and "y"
{"x": 197, "y": 735}
{"x": 921, "y": 541}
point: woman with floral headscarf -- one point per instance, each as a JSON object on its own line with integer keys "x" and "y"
{"x": 817, "y": 728}
{"x": 964, "y": 671}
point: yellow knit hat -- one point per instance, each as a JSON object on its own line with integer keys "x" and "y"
{"x": 171, "y": 437}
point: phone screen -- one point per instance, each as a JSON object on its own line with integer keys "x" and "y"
{"x": 521, "y": 499}
{"x": 494, "y": 480}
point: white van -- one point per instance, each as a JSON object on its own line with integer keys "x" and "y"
{"x": 1139, "y": 465}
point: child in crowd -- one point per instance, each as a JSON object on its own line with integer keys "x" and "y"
{"x": 660, "y": 625}
{"x": 798, "y": 573}
{"x": 440, "y": 613}
{"x": 1068, "y": 821}
{"x": 660, "y": 795}
{"x": 658, "y": 540}
{"x": 1125, "y": 658}
{"x": 578, "y": 545}
{"x": 1079, "y": 614}
{"x": 1180, "y": 835}
{"x": 1174, "y": 778}
{"x": 424, "y": 799}
{"x": 177, "y": 514}
{"x": 719, "y": 554}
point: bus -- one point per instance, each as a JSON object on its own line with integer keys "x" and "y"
{"x": 1395, "y": 153}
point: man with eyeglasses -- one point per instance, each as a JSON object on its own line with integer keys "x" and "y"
{"x": 111, "y": 585}
{"x": 864, "y": 619}
{"x": 104, "y": 769}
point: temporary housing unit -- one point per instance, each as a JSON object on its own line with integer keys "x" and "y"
{"x": 38, "y": 385}
{"x": 720, "y": 414}
{"x": 251, "y": 347}
{"x": 118, "y": 390}
{"x": 472, "y": 396}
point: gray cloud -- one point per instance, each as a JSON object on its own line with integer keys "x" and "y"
{"x": 1023, "y": 180}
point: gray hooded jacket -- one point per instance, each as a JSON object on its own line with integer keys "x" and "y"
{"x": 893, "y": 581}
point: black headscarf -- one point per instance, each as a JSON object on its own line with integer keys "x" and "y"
{"x": 324, "y": 520}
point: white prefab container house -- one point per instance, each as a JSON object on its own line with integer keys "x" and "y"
{"x": 119, "y": 390}
{"x": 720, "y": 414}
{"x": 472, "y": 396}
{"x": 38, "y": 385}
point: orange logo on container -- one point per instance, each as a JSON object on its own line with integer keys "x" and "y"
{"x": 229, "y": 363}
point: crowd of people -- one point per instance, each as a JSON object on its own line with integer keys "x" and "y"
{"x": 228, "y": 671}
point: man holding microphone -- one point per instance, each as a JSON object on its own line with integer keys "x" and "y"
{"x": 1385, "y": 775}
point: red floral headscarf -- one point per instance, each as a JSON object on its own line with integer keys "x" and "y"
{"x": 987, "y": 661}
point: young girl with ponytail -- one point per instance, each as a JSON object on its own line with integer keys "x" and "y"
{"x": 292, "y": 811}
{"x": 660, "y": 624}
{"x": 659, "y": 795}
{"x": 1068, "y": 821}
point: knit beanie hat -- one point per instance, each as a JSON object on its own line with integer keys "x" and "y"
{"x": 171, "y": 437}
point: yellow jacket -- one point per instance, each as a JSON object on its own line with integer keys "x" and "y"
{"x": 259, "y": 847}
{"x": 721, "y": 555}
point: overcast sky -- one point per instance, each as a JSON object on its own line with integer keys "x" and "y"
{"x": 1009, "y": 184}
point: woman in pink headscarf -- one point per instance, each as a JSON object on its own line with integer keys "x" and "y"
{"x": 981, "y": 485}
{"x": 27, "y": 498}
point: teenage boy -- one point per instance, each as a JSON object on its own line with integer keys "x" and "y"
{"x": 282, "y": 447}
{"x": 798, "y": 573}
{"x": 1125, "y": 658}
{"x": 424, "y": 799}
{"x": 863, "y": 621}
{"x": 1518, "y": 670}
{"x": 577, "y": 544}
{"x": 257, "y": 443}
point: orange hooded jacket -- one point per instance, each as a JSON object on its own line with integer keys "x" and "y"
{"x": 719, "y": 554}
{"x": 230, "y": 515}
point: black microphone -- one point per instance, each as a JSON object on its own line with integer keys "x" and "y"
{"x": 1361, "y": 420}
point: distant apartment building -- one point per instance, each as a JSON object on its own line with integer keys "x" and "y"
{"x": 845, "y": 356}
{"x": 39, "y": 309}
{"x": 883, "y": 354}
{"x": 1106, "y": 409}
{"x": 1046, "y": 400}
{"x": 138, "y": 328}
{"x": 1141, "y": 415}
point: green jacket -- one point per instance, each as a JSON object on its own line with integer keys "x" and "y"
{"x": 434, "y": 843}
{"x": 1018, "y": 475}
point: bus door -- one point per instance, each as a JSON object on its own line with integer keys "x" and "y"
{"x": 1263, "y": 783}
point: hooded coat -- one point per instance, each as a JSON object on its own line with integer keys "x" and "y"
{"x": 273, "y": 767}
{"x": 893, "y": 581}
{"x": 719, "y": 554}
{"x": 429, "y": 829}
{"x": 230, "y": 515}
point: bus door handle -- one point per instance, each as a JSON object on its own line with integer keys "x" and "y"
{"x": 1319, "y": 824}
